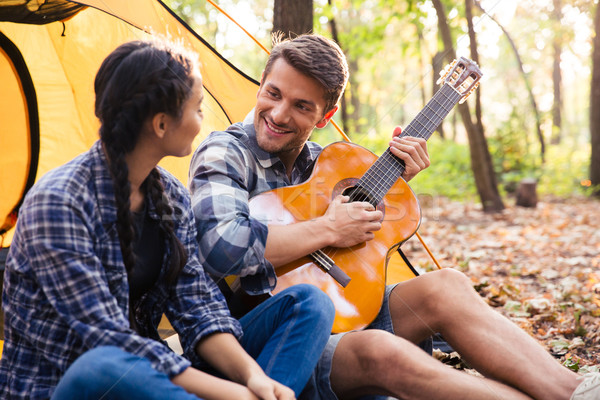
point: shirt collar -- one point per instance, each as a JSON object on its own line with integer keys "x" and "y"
{"x": 105, "y": 193}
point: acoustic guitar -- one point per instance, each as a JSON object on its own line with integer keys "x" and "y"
{"x": 354, "y": 277}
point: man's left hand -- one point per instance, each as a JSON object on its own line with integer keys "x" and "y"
{"x": 411, "y": 150}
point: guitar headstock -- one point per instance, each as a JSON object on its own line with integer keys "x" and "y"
{"x": 463, "y": 75}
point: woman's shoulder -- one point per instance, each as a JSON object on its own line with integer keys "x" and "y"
{"x": 69, "y": 179}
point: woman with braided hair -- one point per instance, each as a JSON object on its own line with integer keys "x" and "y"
{"x": 106, "y": 244}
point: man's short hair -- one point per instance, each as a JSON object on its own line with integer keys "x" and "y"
{"x": 317, "y": 57}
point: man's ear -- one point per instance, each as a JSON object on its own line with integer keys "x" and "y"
{"x": 159, "y": 124}
{"x": 262, "y": 75}
{"x": 328, "y": 115}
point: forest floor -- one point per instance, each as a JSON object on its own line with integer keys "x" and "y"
{"x": 539, "y": 266}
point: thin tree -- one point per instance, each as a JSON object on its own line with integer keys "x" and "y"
{"x": 344, "y": 101}
{"x": 534, "y": 106}
{"x": 481, "y": 160}
{"x": 292, "y": 17}
{"x": 594, "y": 107}
{"x": 556, "y": 74}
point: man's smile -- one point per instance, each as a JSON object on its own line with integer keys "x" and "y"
{"x": 274, "y": 129}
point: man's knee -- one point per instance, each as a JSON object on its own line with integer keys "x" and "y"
{"x": 377, "y": 352}
{"x": 445, "y": 287}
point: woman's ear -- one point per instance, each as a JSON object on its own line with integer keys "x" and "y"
{"x": 328, "y": 115}
{"x": 159, "y": 124}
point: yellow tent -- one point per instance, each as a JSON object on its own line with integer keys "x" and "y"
{"x": 50, "y": 51}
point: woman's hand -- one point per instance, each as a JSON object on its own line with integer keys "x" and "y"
{"x": 266, "y": 388}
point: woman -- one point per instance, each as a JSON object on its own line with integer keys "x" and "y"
{"x": 105, "y": 245}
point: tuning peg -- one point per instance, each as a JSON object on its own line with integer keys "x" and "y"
{"x": 445, "y": 71}
{"x": 466, "y": 96}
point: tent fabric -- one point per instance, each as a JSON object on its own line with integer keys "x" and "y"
{"x": 46, "y": 85}
{"x": 20, "y": 157}
{"x": 38, "y": 11}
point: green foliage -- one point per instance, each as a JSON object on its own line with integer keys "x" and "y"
{"x": 572, "y": 364}
{"x": 564, "y": 171}
{"x": 450, "y": 174}
{"x": 514, "y": 157}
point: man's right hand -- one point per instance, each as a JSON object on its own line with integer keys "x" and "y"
{"x": 351, "y": 223}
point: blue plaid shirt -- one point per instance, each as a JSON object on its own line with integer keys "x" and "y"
{"x": 228, "y": 169}
{"x": 66, "y": 290}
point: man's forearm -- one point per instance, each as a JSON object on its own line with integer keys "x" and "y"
{"x": 286, "y": 243}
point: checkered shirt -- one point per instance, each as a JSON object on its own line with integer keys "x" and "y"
{"x": 66, "y": 290}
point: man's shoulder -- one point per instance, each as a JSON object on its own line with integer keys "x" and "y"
{"x": 230, "y": 144}
{"x": 233, "y": 134}
{"x": 234, "y": 138}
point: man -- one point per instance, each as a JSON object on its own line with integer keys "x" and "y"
{"x": 300, "y": 87}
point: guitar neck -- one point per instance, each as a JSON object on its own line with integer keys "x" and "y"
{"x": 382, "y": 175}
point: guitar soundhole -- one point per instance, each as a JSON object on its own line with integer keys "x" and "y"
{"x": 356, "y": 193}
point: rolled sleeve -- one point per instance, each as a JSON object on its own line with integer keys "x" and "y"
{"x": 231, "y": 242}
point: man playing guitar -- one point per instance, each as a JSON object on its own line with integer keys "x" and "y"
{"x": 300, "y": 87}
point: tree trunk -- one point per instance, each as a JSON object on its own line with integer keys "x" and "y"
{"x": 557, "y": 76}
{"x": 594, "y": 106}
{"x": 534, "y": 107}
{"x": 293, "y": 17}
{"x": 352, "y": 100}
{"x": 526, "y": 193}
{"x": 481, "y": 161}
{"x": 343, "y": 100}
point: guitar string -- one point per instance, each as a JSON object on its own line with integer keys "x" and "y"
{"x": 321, "y": 257}
{"x": 429, "y": 124}
{"x": 387, "y": 171}
{"x": 391, "y": 160}
{"x": 398, "y": 169}
{"x": 370, "y": 177}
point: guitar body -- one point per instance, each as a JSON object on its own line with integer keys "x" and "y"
{"x": 338, "y": 168}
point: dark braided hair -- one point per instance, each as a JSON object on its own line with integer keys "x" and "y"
{"x": 135, "y": 82}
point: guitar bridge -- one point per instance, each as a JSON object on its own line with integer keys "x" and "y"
{"x": 329, "y": 266}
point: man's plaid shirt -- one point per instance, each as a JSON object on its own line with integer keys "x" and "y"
{"x": 228, "y": 169}
{"x": 66, "y": 290}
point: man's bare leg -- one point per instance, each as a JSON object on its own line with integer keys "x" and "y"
{"x": 445, "y": 301}
{"x": 377, "y": 362}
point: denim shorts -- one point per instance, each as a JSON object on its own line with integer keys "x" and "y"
{"x": 318, "y": 386}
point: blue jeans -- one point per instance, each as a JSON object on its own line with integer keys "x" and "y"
{"x": 287, "y": 333}
{"x": 109, "y": 373}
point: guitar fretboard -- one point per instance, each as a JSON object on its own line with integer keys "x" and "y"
{"x": 382, "y": 175}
